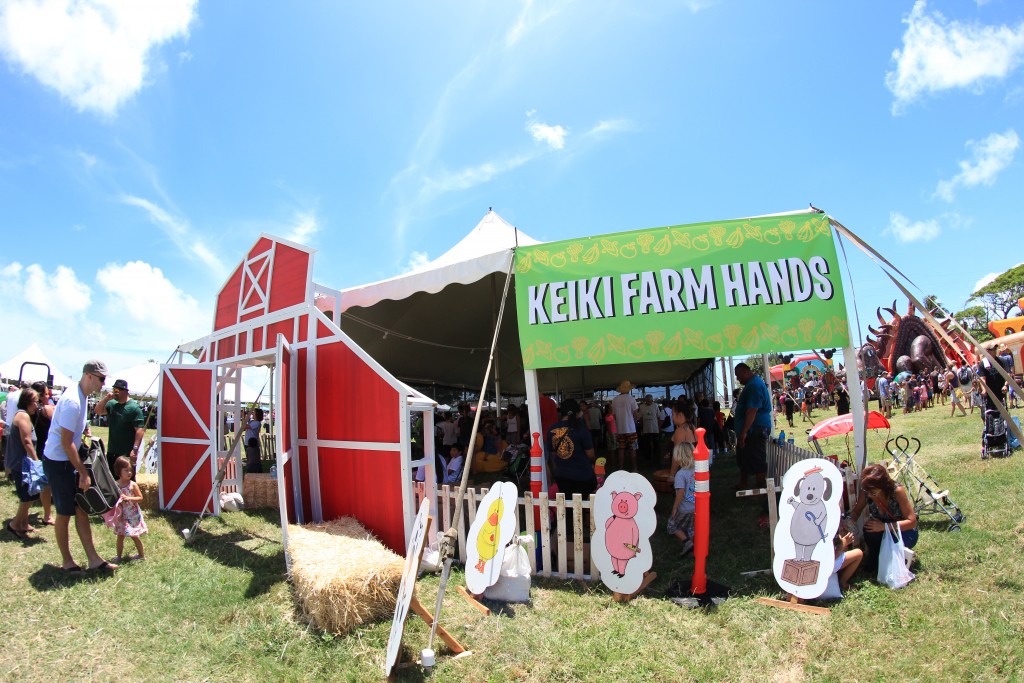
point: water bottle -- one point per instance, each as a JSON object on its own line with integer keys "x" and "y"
{"x": 273, "y": 471}
{"x": 782, "y": 437}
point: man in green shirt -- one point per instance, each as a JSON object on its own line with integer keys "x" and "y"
{"x": 126, "y": 423}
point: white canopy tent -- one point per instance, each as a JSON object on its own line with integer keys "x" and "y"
{"x": 11, "y": 368}
{"x": 435, "y": 324}
{"x": 143, "y": 380}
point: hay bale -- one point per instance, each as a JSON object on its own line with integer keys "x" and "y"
{"x": 149, "y": 485}
{"x": 343, "y": 576}
{"x": 259, "y": 491}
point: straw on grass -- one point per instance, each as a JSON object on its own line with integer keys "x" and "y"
{"x": 343, "y": 576}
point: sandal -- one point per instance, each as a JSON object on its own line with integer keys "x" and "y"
{"x": 73, "y": 570}
{"x": 48, "y": 522}
{"x": 17, "y": 534}
{"x": 104, "y": 567}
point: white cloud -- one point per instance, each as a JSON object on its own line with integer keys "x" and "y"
{"x": 142, "y": 294}
{"x": 988, "y": 279}
{"x": 417, "y": 260}
{"x": 95, "y": 53}
{"x": 990, "y": 156}
{"x": 552, "y": 136}
{"x": 905, "y": 230}
{"x": 611, "y": 126}
{"x": 940, "y": 55}
{"x": 58, "y": 295}
{"x": 304, "y": 228}
{"x": 180, "y": 233}
{"x": 471, "y": 176}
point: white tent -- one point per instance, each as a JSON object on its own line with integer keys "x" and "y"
{"x": 10, "y": 369}
{"x": 435, "y": 325}
{"x": 143, "y": 380}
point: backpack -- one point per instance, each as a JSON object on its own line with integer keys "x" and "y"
{"x": 103, "y": 494}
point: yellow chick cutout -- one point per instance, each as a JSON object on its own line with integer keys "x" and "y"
{"x": 487, "y": 539}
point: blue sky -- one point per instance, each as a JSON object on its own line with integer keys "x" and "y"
{"x": 144, "y": 147}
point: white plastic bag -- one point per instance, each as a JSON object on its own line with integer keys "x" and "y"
{"x": 892, "y": 564}
{"x": 513, "y": 584}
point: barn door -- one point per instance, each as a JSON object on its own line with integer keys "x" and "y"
{"x": 187, "y": 435}
{"x": 289, "y": 494}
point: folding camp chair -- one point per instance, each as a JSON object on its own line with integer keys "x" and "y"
{"x": 926, "y": 495}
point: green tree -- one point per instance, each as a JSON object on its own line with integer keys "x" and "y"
{"x": 1000, "y": 297}
{"x": 975, "y": 320}
{"x": 757, "y": 367}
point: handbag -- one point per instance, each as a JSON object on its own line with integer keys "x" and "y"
{"x": 33, "y": 477}
{"x": 892, "y": 564}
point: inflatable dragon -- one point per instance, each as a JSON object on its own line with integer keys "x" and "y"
{"x": 910, "y": 344}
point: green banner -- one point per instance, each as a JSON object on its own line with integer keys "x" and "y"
{"x": 729, "y": 288}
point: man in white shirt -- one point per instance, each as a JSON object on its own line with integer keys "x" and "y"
{"x": 61, "y": 463}
{"x": 626, "y": 411}
{"x": 650, "y": 425}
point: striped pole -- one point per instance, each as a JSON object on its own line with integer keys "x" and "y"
{"x": 702, "y": 514}
{"x": 536, "y": 463}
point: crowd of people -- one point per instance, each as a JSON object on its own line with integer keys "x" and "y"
{"x": 37, "y": 429}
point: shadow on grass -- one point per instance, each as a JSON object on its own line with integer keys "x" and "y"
{"x": 233, "y": 549}
{"x": 51, "y": 577}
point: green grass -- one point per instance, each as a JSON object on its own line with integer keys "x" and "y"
{"x": 221, "y": 608}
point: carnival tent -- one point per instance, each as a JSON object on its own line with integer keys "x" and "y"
{"x": 144, "y": 380}
{"x": 435, "y": 324}
{"x": 11, "y": 368}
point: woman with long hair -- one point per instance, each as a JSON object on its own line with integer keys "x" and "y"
{"x": 21, "y": 448}
{"x": 887, "y": 503}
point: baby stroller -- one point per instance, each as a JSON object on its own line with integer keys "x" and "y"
{"x": 926, "y": 495}
{"x": 993, "y": 439}
{"x": 518, "y": 468}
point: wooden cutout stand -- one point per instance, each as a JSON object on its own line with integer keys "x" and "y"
{"x": 447, "y": 638}
{"x": 474, "y": 601}
{"x": 649, "y": 577}
{"x": 795, "y": 605}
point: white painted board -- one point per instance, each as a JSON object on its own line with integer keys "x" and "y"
{"x": 495, "y": 524}
{"x": 809, "y": 512}
{"x": 624, "y": 521}
{"x": 408, "y": 586}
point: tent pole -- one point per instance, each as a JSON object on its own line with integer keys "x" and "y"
{"x": 858, "y": 407}
{"x": 446, "y": 546}
{"x": 497, "y": 363}
{"x": 767, "y": 372}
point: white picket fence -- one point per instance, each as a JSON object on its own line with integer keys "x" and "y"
{"x": 782, "y": 456}
{"x": 559, "y": 555}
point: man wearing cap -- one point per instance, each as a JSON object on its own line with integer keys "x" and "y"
{"x": 127, "y": 424}
{"x": 61, "y": 462}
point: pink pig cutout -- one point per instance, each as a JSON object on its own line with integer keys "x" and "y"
{"x": 622, "y": 535}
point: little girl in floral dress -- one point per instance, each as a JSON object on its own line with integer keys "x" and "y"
{"x": 126, "y": 517}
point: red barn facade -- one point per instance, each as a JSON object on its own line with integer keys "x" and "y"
{"x": 342, "y": 421}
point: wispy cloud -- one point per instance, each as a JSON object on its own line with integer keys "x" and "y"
{"x": 988, "y": 158}
{"x": 304, "y": 227}
{"x": 95, "y": 53}
{"x": 179, "y": 231}
{"x": 939, "y": 54}
{"x": 906, "y": 230}
{"x": 530, "y": 17}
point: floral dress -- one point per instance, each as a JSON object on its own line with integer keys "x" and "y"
{"x": 126, "y": 519}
